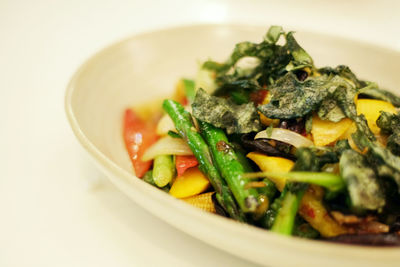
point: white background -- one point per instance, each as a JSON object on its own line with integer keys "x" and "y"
{"x": 56, "y": 208}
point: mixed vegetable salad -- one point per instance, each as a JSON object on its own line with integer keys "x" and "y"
{"x": 269, "y": 139}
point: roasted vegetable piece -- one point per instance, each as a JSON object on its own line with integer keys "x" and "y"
{"x": 264, "y": 146}
{"x": 229, "y": 166}
{"x": 184, "y": 125}
{"x": 163, "y": 170}
{"x": 138, "y": 136}
{"x": 191, "y": 183}
{"x": 314, "y": 212}
{"x": 183, "y": 163}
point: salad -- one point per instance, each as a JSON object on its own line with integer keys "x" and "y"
{"x": 268, "y": 139}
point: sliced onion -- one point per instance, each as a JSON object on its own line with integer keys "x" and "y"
{"x": 205, "y": 79}
{"x": 167, "y": 145}
{"x": 286, "y": 136}
{"x": 165, "y": 124}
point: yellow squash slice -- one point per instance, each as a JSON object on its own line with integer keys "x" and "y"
{"x": 272, "y": 164}
{"x": 325, "y": 132}
{"x": 191, "y": 182}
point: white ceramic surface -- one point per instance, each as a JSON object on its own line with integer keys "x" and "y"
{"x": 143, "y": 67}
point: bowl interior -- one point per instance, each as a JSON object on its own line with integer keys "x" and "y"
{"x": 147, "y": 66}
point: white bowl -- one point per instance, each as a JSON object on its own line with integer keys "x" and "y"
{"x": 144, "y": 67}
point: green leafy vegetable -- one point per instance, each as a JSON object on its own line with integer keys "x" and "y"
{"x": 273, "y": 61}
{"x": 285, "y": 218}
{"x": 362, "y": 184}
{"x": 273, "y": 34}
{"x": 330, "y": 110}
{"x": 184, "y": 124}
{"x": 292, "y": 98}
{"x": 301, "y": 58}
{"x": 225, "y": 114}
{"x": 330, "y": 181}
{"x": 390, "y": 124}
{"x": 229, "y": 166}
{"x": 377, "y": 93}
{"x": 344, "y": 72}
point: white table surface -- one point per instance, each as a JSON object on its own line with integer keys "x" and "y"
{"x": 56, "y": 208}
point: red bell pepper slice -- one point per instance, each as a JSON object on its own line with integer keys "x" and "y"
{"x": 183, "y": 163}
{"x": 138, "y": 136}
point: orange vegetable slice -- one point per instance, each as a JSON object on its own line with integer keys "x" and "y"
{"x": 191, "y": 182}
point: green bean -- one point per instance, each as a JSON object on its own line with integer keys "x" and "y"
{"x": 185, "y": 127}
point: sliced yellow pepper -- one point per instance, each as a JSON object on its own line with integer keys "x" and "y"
{"x": 325, "y": 132}
{"x": 190, "y": 183}
{"x": 272, "y": 164}
{"x": 371, "y": 109}
{"x": 314, "y": 212}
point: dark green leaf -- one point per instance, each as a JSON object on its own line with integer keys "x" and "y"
{"x": 273, "y": 34}
{"x": 344, "y": 72}
{"x": 301, "y": 58}
{"x": 363, "y": 187}
{"x": 388, "y": 122}
{"x": 330, "y": 110}
{"x": 376, "y": 93}
{"x": 393, "y": 143}
{"x": 292, "y": 98}
{"x": 223, "y": 113}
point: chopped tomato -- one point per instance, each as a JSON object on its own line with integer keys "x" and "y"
{"x": 183, "y": 163}
{"x": 138, "y": 136}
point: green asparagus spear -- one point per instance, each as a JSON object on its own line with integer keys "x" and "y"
{"x": 292, "y": 195}
{"x": 229, "y": 166}
{"x": 148, "y": 178}
{"x": 293, "y": 192}
{"x": 185, "y": 127}
{"x": 330, "y": 181}
{"x": 163, "y": 170}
